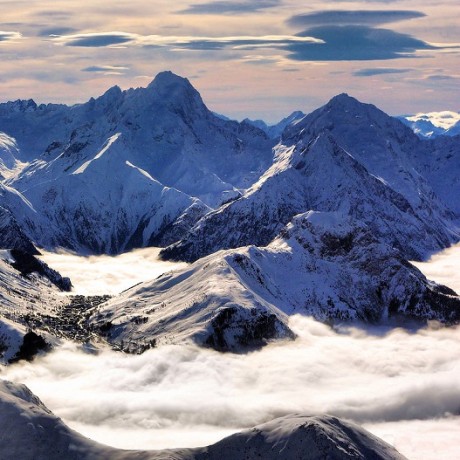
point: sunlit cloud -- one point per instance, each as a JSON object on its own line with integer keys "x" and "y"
{"x": 108, "y": 274}
{"x": 229, "y": 7}
{"x": 356, "y": 17}
{"x": 106, "y": 69}
{"x": 9, "y": 36}
{"x": 110, "y": 39}
{"x": 179, "y": 396}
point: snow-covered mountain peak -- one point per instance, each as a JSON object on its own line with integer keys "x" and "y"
{"x": 174, "y": 89}
{"x": 112, "y": 94}
{"x": 343, "y": 99}
{"x": 22, "y": 105}
{"x": 350, "y": 120}
{"x": 168, "y": 79}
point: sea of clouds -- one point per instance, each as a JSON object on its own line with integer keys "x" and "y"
{"x": 103, "y": 274}
{"x": 403, "y": 385}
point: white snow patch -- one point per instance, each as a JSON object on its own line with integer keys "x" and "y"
{"x": 389, "y": 378}
{"x": 143, "y": 172}
{"x": 104, "y": 149}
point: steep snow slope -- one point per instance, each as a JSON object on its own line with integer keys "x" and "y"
{"x": 12, "y": 234}
{"x": 320, "y": 175}
{"x": 29, "y": 293}
{"x": 439, "y": 162}
{"x": 30, "y": 431}
{"x": 130, "y": 167}
{"x": 238, "y": 298}
{"x": 106, "y": 204}
{"x": 9, "y": 164}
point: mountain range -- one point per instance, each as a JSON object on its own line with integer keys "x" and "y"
{"x": 275, "y": 222}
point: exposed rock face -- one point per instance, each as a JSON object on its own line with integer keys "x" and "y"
{"x": 11, "y": 234}
{"x": 31, "y": 345}
{"x": 26, "y": 264}
{"x": 24, "y": 417}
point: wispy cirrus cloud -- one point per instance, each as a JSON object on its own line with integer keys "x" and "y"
{"x": 113, "y": 39}
{"x": 230, "y": 7}
{"x": 356, "y": 17}
{"x": 96, "y": 40}
{"x": 371, "y": 72}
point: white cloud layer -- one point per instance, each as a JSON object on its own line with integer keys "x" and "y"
{"x": 402, "y": 385}
{"x": 183, "y": 396}
{"x": 443, "y": 267}
{"x": 9, "y": 36}
{"x": 97, "y": 275}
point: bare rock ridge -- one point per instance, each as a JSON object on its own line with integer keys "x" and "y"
{"x": 24, "y": 417}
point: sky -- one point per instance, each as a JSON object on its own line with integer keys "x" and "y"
{"x": 261, "y": 59}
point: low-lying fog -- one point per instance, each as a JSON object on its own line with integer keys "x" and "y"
{"x": 97, "y": 275}
{"x": 402, "y": 386}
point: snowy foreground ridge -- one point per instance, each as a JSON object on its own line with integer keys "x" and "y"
{"x": 275, "y": 224}
{"x": 29, "y": 431}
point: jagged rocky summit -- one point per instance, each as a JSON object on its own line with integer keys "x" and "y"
{"x": 24, "y": 417}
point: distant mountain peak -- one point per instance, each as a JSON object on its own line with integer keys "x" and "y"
{"x": 167, "y": 81}
{"x": 344, "y": 101}
{"x": 177, "y": 93}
